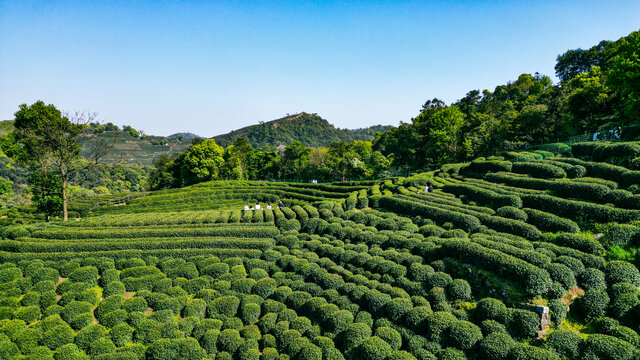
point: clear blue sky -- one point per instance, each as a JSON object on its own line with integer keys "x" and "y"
{"x": 212, "y": 66}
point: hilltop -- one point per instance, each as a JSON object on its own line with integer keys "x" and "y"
{"x": 310, "y": 129}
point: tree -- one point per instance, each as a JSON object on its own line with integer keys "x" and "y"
{"x": 589, "y": 100}
{"x": 131, "y": 131}
{"x": 238, "y": 157}
{"x": 624, "y": 75}
{"x": 439, "y": 134}
{"x": 45, "y": 140}
{"x": 202, "y": 162}
{"x": 162, "y": 177}
{"x": 295, "y": 159}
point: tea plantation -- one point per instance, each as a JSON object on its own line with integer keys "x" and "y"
{"x": 371, "y": 270}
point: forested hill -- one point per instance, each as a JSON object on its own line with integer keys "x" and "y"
{"x": 310, "y": 129}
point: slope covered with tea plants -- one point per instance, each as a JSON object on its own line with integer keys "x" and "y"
{"x": 367, "y": 270}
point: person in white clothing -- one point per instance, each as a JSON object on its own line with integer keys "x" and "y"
{"x": 268, "y": 206}
{"x": 257, "y": 206}
{"x": 246, "y": 207}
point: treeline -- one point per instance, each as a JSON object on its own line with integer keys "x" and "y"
{"x": 205, "y": 160}
{"x": 599, "y": 90}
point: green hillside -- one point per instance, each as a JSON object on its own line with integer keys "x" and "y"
{"x": 310, "y": 129}
{"x": 5, "y": 127}
{"x": 133, "y": 150}
{"x": 364, "y": 270}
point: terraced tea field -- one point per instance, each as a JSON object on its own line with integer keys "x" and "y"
{"x": 529, "y": 258}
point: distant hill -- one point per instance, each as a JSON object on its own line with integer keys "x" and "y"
{"x": 310, "y": 129}
{"x": 185, "y": 135}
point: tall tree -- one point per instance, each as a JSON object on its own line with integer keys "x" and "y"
{"x": 238, "y": 157}
{"x": 46, "y": 140}
{"x": 624, "y": 76}
{"x": 202, "y": 162}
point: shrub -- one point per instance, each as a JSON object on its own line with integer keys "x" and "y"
{"x": 512, "y": 213}
{"x": 598, "y": 346}
{"x": 438, "y": 324}
{"x": 82, "y": 320}
{"x": 496, "y": 346}
{"x": 374, "y": 348}
{"x": 209, "y": 340}
{"x": 491, "y": 309}
{"x": 58, "y": 336}
{"x": 523, "y": 323}
{"x": 623, "y": 304}
{"x": 121, "y": 334}
{"x": 562, "y": 274}
{"x": 565, "y": 343}
{"x": 492, "y": 326}
{"x": 114, "y": 288}
{"x": 534, "y": 279}
{"x": 582, "y": 242}
{"x": 398, "y": 307}
{"x": 620, "y": 235}
{"x": 224, "y": 305}
{"x": 417, "y": 317}
{"x": 528, "y": 352}
{"x": 464, "y": 335}
{"x": 74, "y": 309}
{"x": 592, "y": 304}
{"x": 622, "y": 271}
{"x": 390, "y": 336}
{"x": 101, "y": 346}
{"x": 136, "y": 303}
{"x": 114, "y": 318}
{"x": 250, "y": 313}
{"x": 88, "y": 274}
{"x": 355, "y": 334}
{"x": 462, "y": 221}
{"x": 89, "y": 334}
{"x": 229, "y": 340}
{"x": 558, "y": 310}
{"x": 28, "y": 314}
{"x": 451, "y": 354}
{"x": 288, "y": 225}
{"x": 28, "y": 339}
{"x": 459, "y": 289}
{"x": 484, "y": 196}
{"x": 339, "y": 321}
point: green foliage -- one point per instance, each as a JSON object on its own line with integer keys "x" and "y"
{"x": 496, "y": 346}
{"x": 592, "y": 304}
{"x": 621, "y": 271}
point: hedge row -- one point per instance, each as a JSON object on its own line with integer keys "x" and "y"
{"x": 484, "y": 196}
{"x": 125, "y": 244}
{"x": 483, "y": 166}
{"x": 538, "y": 170}
{"x": 122, "y": 254}
{"x": 579, "y": 210}
{"x": 461, "y": 221}
{"x": 226, "y": 231}
{"x": 534, "y": 280}
{"x": 549, "y": 222}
